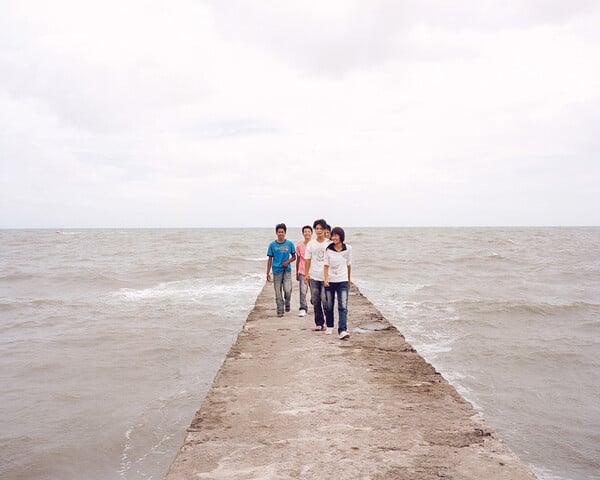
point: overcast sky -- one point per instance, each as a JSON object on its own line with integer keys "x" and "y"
{"x": 249, "y": 113}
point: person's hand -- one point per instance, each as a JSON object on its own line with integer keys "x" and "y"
{"x": 306, "y": 280}
{"x": 269, "y": 277}
{"x": 326, "y": 283}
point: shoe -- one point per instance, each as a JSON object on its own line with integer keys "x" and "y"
{"x": 344, "y": 335}
{"x": 328, "y": 331}
{"x": 302, "y": 313}
{"x": 319, "y": 328}
{"x": 280, "y": 314}
{"x": 287, "y": 309}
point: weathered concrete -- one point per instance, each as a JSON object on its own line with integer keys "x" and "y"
{"x": 292, "y": 403}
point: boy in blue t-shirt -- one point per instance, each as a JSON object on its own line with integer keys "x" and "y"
{"x": 281, "y": 253}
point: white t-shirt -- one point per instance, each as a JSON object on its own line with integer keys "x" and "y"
{"x": 315, "y": 252}
{"x": 338, "y": 264}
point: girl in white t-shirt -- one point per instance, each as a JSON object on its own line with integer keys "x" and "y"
{"x": 337, "y": 268}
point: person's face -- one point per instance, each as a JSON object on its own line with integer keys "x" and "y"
{"x": 335, "y": 238}
{"x": 280, "y": 235}
{"x": 327, "y": 233}
{"x": 319, "y": 231}
{"x": 307, "y": 233}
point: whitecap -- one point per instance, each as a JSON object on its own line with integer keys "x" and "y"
{"x": 545, "y": 474}
{"x": 191, "y": 290}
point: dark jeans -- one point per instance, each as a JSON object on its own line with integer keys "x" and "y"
{"x": 317, "y": 298}
{"x": 341, "y": 290}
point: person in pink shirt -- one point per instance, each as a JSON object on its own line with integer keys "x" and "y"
{"x": 307, "y": 232}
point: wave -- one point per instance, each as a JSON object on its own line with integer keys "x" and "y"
{"x": 16, "y": 276}
{"x": 484, "y": 257}
{"x": 33, "y": 302}
{"x": 257, "y": 259}
{"x": 66, "y": 276}
{"x": 538, "y": 308}
{"x": 227, "y": 260}
{"x": 545, "y": 473}
{"x": 193, "y": 290}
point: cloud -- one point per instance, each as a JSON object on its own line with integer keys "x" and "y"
{"x": 337, "y": 37}
{"x": 109, "y": 66}
{"x": 206, "y": 113}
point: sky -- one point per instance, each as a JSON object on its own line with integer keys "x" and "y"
{"x": 250, "y": 113}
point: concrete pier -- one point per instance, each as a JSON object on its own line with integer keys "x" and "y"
{"x": 292, "y": 403}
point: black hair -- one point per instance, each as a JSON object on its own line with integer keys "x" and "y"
{"x": 309, "y": 227}
{"x": 328, "y": 227}
{"x": 281, "y": 225}
{"x": 339, "y": 231}
{"x": 321, "y": 222}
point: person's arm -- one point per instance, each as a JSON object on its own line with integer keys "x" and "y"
{"x": 326, "y": 269}
{"x": 293, "y": 257}
{"x": 349, "y": 264}
{"x": 289, "y": 260}
{"x": 269, "y": 265}
{"x": 306, "y": 270}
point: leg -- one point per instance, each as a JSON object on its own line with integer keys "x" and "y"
{"x": 277, "y": 285}
{"x": 303, "y": 289}
{"x": 315, "y": 298}
{"x": 329, "y": 300}
{"x": 343, "y": 306}
{"x": 287, "y": 288}
{"x": 329, "y": 321}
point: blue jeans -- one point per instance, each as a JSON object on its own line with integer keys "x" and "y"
{"x": 317, "y": 298}
{"x": 303, "y": 291}
{"x": 282, "y": 282}
{"x": 341, "y": 288}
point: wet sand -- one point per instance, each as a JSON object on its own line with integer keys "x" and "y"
{"x": 292, "y": 403}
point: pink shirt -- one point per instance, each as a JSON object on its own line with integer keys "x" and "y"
{"x": 300, "y": 249}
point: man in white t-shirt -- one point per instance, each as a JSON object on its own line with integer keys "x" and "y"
{"x": 314, "y": 277}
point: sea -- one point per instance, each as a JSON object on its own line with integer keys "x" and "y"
{"x": 111, "y": 338}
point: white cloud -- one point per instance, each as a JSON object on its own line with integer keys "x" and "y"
{"x": 250, "y": 113}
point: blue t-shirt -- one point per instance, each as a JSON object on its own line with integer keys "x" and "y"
{"x": 281, "y": 252}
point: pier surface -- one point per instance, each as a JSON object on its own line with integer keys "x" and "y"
{"x": 292, "y": 403}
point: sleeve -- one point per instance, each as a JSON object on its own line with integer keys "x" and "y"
{"x": 293, "y": 250}
{"x": 270, "y": 250}
{"x": 326, "y": 259}
{"x": 349, "y": 255}
{"x": 307, "y": 252}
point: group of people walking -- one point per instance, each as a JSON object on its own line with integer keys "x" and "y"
{"x": 323, "y": 267}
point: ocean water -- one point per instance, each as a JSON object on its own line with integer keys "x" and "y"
{"x": 110, "y": 339}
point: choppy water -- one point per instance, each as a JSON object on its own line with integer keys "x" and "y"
{"x": 109, "y": 339}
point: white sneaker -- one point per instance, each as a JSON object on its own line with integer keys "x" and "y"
{"x": 328, "y": 331}
{"x": 344, "y": 335}
{"x": 302, "y": 313}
